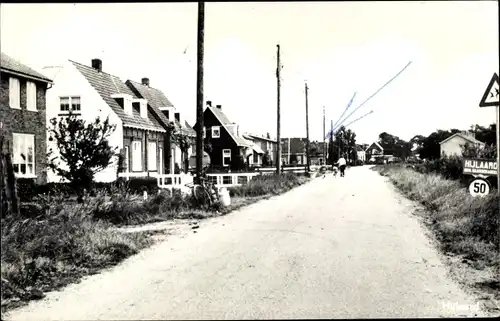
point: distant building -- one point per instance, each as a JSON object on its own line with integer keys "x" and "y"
{"x": 453, "y": 145}
{"x": 361, "y": 153}
{"x": 293, "y": 151}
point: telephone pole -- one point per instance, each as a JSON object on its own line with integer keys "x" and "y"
{"x": 324, "y": 135}
{"x": 331, "y": 135}
{"x": 278, "y": 76}
{"x": 199, "y": 92}
{"x": 307, "y": 130}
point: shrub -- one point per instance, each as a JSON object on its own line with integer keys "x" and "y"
{"x": 268, "y": 185}
{"x": 57, "y": 247}
{"x": 464, "y": 224}
{"x": 139, "y": 185}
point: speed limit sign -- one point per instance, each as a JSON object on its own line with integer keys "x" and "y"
{"x": 479, "y": 187}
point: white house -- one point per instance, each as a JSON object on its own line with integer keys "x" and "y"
{"x": 90, "y": 92}
{"x": 453, "y": 145}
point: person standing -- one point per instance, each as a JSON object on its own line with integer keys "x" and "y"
{"x": 342, "y": 164}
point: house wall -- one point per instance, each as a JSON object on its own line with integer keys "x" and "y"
{"x": 132, "y": 134}
{"x": 26, "y": 121}
{"x": 453, "y": 146}
{"x": 68, "y": 81}
{"x": 361, "y": 156}
{"x": 218, "y": 144}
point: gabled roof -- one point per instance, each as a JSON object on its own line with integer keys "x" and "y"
{"x": 157, "y": 99}
{"x": 469, "y": 138}
{"x": 107, "y": 85}
{"x": 224, "y": 121}
{"x": 262, "y": 138}
{"x": 9, "y": 64}
{"x": 377, "y": 144}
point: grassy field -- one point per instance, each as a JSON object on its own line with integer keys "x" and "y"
{"x": 57, "y": 243}
{"x": 465, "y": 226}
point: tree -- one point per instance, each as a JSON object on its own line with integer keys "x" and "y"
{"x": 83, "y": 150}
{"x": 266, "y": 159}
{"x": 183, "y": 141}
{"x": 331, "y": 148}
{"x": 430, "y": 145}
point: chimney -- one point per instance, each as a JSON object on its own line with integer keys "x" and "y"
{"x": 209, "y": 103}
{"x": 145, "y": 81}
{"x": 219, "y": 106}
{"x": 97, "y": 64}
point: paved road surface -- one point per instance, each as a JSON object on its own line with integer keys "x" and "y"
{"x": 334, "y": 248}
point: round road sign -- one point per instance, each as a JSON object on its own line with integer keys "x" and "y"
{"x": 479, "y": 187}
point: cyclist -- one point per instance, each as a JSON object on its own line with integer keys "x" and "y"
{"x": 342, "y": 164}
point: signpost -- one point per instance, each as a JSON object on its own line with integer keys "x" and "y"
{"x": 479, "y": 187}
{"x": 491, "y": 99}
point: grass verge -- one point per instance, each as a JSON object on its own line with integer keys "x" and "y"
{"x": 56, "y": 243}
{"x": 464, "y": 226}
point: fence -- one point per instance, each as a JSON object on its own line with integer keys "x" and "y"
{"x": 170, "y": 181}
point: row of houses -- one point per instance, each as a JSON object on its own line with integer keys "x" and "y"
{"x": 140, "y": 112}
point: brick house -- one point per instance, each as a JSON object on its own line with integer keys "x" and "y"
{"x": 227, "y": 145}
{"x": 168, "y": 113}
{"x": 293, "y": 148}
{"x": 22, "y": 117}
{"x": 140, "y": 133}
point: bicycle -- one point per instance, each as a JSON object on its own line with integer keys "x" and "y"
{"x": 205, "y": 192}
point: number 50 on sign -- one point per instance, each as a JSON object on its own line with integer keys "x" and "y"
{"x": 479, "y": 187}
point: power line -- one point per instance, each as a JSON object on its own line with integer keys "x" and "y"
{"x": 345, "y": 110}
{"x": 387, "y": 83}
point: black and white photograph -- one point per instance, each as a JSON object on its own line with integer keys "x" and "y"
{"x": 249, "y": 160}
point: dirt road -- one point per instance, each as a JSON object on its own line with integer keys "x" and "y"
{"x": 334, "y": 248}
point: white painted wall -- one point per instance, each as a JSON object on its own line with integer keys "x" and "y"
{"x": 68, "y": 81}
{"x": 453, "y": 146}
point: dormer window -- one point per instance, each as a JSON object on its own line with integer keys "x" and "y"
{"x": 142, "y": 105}
{"x": 125, "y": 101}
{"x": 215, "y": 131}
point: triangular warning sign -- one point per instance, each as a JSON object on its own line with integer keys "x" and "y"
{"x": 490, "y": 96}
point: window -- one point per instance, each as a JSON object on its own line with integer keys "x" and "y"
{"x": 31, "y": 96}
{"x": 66, "y": 102}
{"x": 14, "y": 93}
{"x": 226, "y": 157}
{"x": 24, "y": 154}
{"x": 215, "y": 131}
{"x": 152, "y": 156}
{"x": 126, "y": 160}
{"x": 160, "y": 152}
{"x": 75, "y": 103}
{"x": 137, "y": 156}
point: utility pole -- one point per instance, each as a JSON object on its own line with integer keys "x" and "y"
{"x": 331, "y": 133}
{"x": 324, "y": 134}
{"x": 278, "y": 76}
{"x": 307, "y": 130}
{"x": 199, "y": 92}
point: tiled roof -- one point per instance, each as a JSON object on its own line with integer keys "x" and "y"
{"x": 464, "y": 136}
{"x": 240, "y": 141}
{"x": 8, "y": 63}
{"x": 107, "y": 85}
{"x": 262, "y": 138}
{"x": 157, "y": 99}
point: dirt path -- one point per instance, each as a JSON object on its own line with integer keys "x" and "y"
{"x": 334, "y": 248}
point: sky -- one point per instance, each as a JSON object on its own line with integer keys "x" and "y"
{"x": 338, "y": 48}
